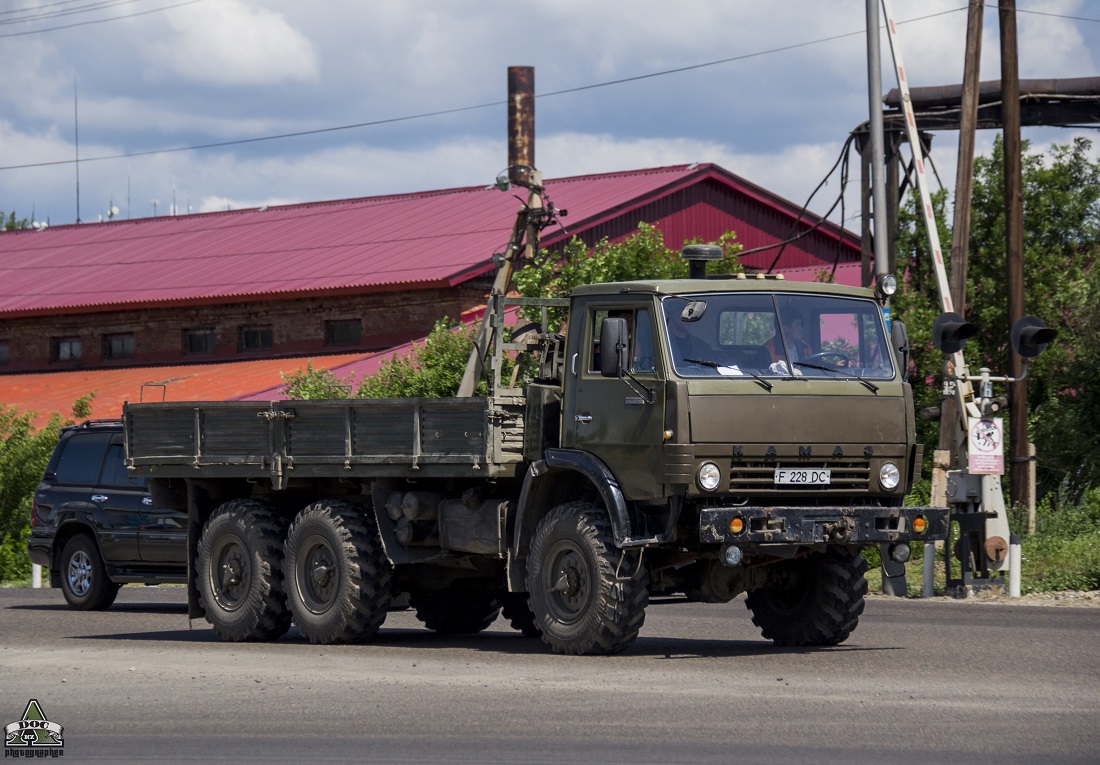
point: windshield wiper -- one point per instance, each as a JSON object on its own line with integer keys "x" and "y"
{"x": 708, "y": 363}
{"x": 870, "y": 385}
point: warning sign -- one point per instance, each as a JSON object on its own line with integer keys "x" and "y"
{"x": 986, "y": 447}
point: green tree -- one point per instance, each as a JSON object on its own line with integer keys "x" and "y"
{"x": 1061, "y": 194}
{"x": 10, "y": 223}
{"x": 24, "y": 453}
{"x": 641, "y": 256}
{"x": 312, "y": 384}
{"x": 433, "y": 368}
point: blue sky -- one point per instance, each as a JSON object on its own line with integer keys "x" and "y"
{"x": 155, "y": 74}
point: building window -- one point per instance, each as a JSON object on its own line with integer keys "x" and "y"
{"x": 65, "y": 349}
{"x": 118, "y": 346}
{"x": 256, "y": 338}
{"x": 5, "y": 354}
{"x": 343, "y": 331}
{"x": 197, "y": 341}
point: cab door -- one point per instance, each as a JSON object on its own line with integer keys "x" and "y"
{"x": 620, "y": 423}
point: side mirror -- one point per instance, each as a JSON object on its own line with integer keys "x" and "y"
{"x": 899, "y": 339}
{"x": 613, "y": 346}
{"x": 951, "y": 331}
{"x": 1030, "y": 336}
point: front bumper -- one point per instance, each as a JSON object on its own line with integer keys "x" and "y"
{"x": 813, "y": 525}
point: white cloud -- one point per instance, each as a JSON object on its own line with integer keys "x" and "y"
{"x": 238, "y": 69}
{"x": 229, "y": 43}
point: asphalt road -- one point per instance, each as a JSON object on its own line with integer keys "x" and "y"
{"x": 918, "y": 682}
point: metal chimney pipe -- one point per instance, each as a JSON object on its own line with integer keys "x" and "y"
{"x": 521, "y": 122}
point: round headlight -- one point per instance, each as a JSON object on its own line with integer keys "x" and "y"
{"x": 887, "y": 284}
{"x": 889, "y": 476}
{"x": 708, "y": 477}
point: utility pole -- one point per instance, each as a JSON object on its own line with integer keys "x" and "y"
{"x": 1014, "y": 249}
{"x": 893, "y": 574}
{"x": 874, "y": 96}
{"x": 524, "y": 241}
{"x": 951, "y": 433}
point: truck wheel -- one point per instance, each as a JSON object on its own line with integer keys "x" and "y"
{"x": 461, "y": 609}
{"x": 84, "y": 579}
{"x": 587, "y": 596}
{"x": 814, "y": 600}
{"x": 340, "y": 582}
{"x": 516, "y": 607}
{"x": 240, "y": 573}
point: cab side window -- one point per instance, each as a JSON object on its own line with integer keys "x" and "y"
{"x": 639, "y": 333}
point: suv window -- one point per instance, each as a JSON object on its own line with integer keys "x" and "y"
{"x": 82, "y": 458}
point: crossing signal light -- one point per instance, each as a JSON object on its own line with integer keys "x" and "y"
{"x": 951, "y": 331}
{"x": 1030, "y": 336}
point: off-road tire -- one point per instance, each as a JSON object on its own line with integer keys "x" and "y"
{"x": 588, "y": 597}
{"x": 516, "y": 608}
{"x": 816, "y": 600}
{"x": 460, "y": 609}
{"x": 239, "y": 572}
{"x": 339, "y": 581}
{"x": 84, "y": 580}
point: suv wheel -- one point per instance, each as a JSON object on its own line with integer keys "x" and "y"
{"x": 84, "y": 579}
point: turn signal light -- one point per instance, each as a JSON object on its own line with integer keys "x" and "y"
{"x": 737, "y": 525}
{"x": 920, "y": 524}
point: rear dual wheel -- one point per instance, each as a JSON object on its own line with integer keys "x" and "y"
{"x": 239, "y": 570}
{"x": 339, "y": 581}
{"x": 464, "y": 608}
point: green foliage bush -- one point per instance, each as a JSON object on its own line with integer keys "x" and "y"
{"x": 433, "y": 368}
{"x": 24, "y": 453}
{"x": 641, "y": 256}
{"x": 313, "y": 384}
{"x": 1064, "y": 553}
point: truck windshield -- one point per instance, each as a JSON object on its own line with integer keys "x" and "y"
{"x": 776, "y": 335}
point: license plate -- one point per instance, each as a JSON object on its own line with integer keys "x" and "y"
{"x": 803, "y": 477}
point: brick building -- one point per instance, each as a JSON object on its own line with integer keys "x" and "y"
{"x": 346, "y": 276}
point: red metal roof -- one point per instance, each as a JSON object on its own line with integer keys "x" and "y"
{"x": 54, "y": 392}
{"x": 429, "y": 239}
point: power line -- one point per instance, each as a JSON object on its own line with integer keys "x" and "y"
{"x": 441, "y": 112}
{"x": 1046, "y": 13}
{"x": 38, "y": 8}
{"x": 99, "y": 21}
{"x": 39, "y": 14}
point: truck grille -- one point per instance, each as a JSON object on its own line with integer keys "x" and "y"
{"x": 847, "y": 475}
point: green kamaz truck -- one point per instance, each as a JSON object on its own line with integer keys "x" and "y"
{"x": 709, "y": 437}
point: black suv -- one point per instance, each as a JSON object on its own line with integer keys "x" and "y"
{"x": 95, "y": 527}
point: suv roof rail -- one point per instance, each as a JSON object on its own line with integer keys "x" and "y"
{"x": 104, "y": 421}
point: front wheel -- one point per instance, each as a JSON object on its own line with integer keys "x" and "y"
{"x": 239, "y": 571}
{"x": 84, "y": 580}
{"x": 340, "y": 581}
{"x": 587, "y": 596}
{"x": 816, "y": 600}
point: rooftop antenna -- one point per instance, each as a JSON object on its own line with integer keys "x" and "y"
{"x": 76, "y": 130}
